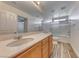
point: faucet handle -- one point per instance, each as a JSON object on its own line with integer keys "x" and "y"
{"x": 20, "y": 36}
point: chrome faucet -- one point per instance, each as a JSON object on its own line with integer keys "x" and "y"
{"x": 18, "y": 37}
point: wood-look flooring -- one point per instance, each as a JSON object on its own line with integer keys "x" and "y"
{"x": 63, "y": 50}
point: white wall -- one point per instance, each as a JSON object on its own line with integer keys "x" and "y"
{"x": 75, "y": 28}
{"x": 75, "y": 36}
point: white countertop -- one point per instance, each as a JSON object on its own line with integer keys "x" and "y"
{"x": 6, "y": 51}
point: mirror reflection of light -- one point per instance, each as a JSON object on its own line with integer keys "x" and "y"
{"x": 38, "y": 2}
{"x": 48, "y": 21}
{"x": 37, "y": 22}
{"x": 73, "y": 17}
{"x": 59, "y": 20}
{"x": 56, "y": 15}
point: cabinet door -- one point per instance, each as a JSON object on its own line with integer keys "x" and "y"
{"x": 45, "y": 48}
{"x": 45, "y": 51}
{"x": 34, "y": 52}
{"x": 50, "y": 45}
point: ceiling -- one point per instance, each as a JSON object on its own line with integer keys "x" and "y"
{"x": 48, "y": 8}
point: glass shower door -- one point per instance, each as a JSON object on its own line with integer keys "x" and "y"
{"x": 60, "y": 27}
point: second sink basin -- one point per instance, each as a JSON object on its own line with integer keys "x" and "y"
{"x": 19, "y": 42}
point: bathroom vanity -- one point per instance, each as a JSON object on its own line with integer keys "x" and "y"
{"x": 40, "y": 47}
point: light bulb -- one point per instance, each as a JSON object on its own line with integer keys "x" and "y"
{"x": 38, "y": 3}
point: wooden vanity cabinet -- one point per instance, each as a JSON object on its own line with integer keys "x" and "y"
{"x": 33, "y": 52}
{"x": 42, "y": 49}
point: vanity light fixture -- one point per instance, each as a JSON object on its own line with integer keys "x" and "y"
{"x": 63, "y": 8}
{"x": 37, "y": 2}
{"x": 37, "y": 5}
{"x": 59, "y": 20}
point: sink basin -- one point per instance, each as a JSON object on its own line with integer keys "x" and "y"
{"x": 19, "y": 42}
